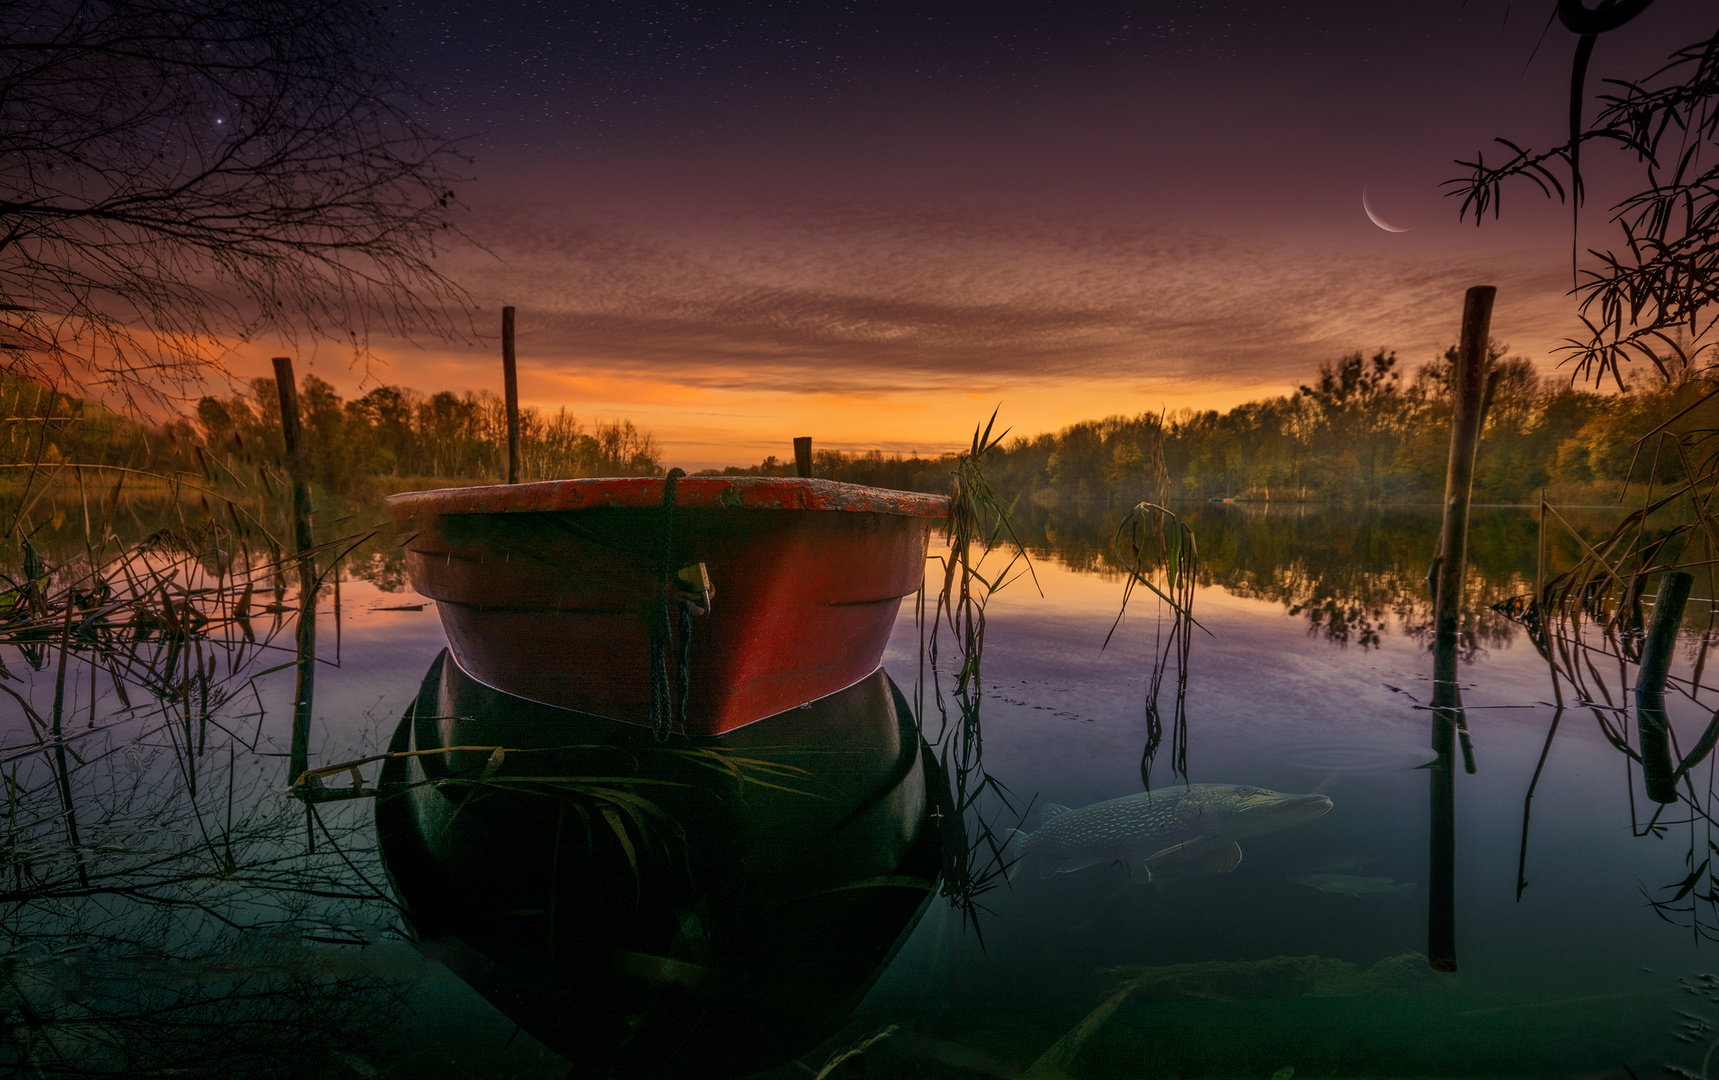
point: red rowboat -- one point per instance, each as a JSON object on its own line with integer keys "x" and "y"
{"x": 748, "y": 596}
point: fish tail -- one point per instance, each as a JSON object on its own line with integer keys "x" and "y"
{"x": 1404, "y": 889}
{"x": 1019, "y": 838}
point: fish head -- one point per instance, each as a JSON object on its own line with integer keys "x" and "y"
{"x": 1252, "y": 811}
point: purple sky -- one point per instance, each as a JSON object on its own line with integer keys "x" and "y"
{"x": 872, "y": 222}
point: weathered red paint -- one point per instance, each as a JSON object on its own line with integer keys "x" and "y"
{"x": 544, "y": 588}
{"x": 691, "y": 493}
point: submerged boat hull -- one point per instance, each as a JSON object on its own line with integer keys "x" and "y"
{"x": 552, "y": 592}
{"x": 700, "y": 911}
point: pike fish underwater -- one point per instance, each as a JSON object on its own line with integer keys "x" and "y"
{"x": 1171, "y": 834}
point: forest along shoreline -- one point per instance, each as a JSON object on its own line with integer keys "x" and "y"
{"x": 1360, "y": 432}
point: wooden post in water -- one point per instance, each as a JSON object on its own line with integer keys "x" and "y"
{"x": 510, "y": 377}
{"x": 1655, "y": 732}
{"x": 1468, "y": 392}
{"x": 1441, "y": 848}
{"x": 292, "y": 433}
{"x": 803, "y": 455}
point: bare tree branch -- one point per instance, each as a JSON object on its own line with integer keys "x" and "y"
{"x": 176, "y": 178}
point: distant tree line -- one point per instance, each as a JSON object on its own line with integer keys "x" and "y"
{"x": 1359, "y": 433}
{"x": 38, "y": 425}
{"x": 395, "y": 432}
{"x": 387, "y": 438}
{"x": 871, "y": 467}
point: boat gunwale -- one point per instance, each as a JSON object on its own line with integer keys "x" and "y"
{"x": 691, "y": 493}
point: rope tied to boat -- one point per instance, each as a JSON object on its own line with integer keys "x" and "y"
{"x": 668, "y": 707}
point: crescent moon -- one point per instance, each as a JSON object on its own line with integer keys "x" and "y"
{"x": 1375, "y": 218}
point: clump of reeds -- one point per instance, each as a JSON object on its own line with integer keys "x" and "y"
{"x": 1152, "y": 542}
{"x": 1589, "y": 622}
{"x": 144, "y": 841}
{"x": 977, "y": 524}
{"x": 983, "y": 557}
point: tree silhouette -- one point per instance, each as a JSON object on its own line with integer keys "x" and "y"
{"x": 1653, "y": 296}
{"x": 180, "y": 175}
{"x": 1360, "y": 406}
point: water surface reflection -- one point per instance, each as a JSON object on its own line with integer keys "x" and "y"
{"x": 499, "y": 916}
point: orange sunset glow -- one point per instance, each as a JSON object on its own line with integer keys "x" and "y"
{"x": 728, "y": 339}
{"x": 1155, "y": 214}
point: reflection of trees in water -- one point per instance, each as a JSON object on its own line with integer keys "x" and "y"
{"x": 1641, "y": 678}
{"x": 153, "y": 518}
{"x": 179, "y": 935}
{"x": 1353, "y": 574}
{"x": 381, "y": 562}
{"x": 161, "y": 901}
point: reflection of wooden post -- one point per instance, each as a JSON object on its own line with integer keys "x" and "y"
{"x": 292, "y": 433}
{"x": 803, "y": 455}
{"x": 1655, "y": 732}
{"x": 510, "y": 376}
{"x": 1441, "y": 847}
{"x": 1468, "y": 397}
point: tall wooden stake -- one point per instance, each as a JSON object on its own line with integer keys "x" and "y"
{"x": 803, "y": 455}
{"x": 292, "y": 433}
{"x": 510, "y": 376}
{"x": 1468, "y": 394}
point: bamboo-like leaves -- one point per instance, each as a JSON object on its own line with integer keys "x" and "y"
{"x": 1637, "y": 302}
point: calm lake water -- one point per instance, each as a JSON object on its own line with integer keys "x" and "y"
{"x": 207, "y": 923}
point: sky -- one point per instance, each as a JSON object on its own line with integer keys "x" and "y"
{"x": 873, "y": 223}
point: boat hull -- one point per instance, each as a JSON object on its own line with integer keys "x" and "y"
{"x": 746, "y": 912}
{"x": 552, "y": 592}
